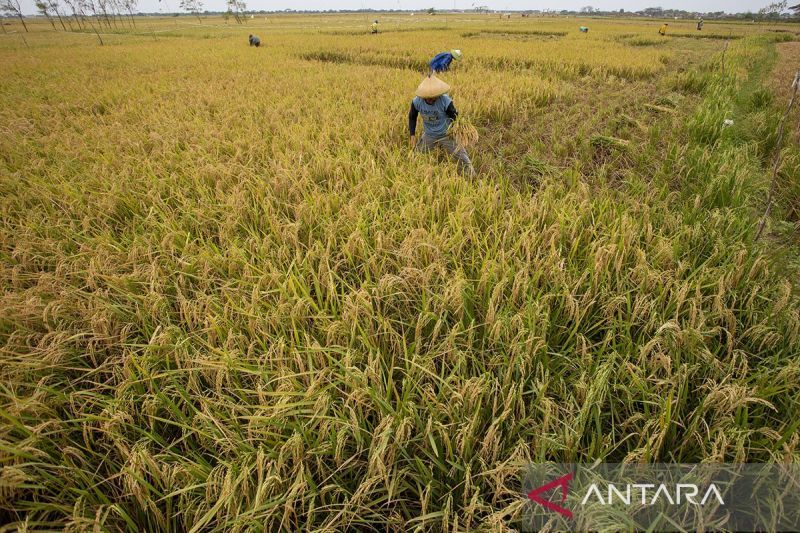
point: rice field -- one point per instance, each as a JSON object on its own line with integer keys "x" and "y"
{"x": 234, "y": 299}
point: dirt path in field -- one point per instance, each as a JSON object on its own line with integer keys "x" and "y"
{"x": 781, "y": 80}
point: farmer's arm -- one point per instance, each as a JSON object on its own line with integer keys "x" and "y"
{"x": 412, "y": 119}
{"x": 451, "y": 111}
{"x": 412, "y": 122}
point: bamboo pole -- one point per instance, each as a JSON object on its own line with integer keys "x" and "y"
{"x": 777, "y": 162}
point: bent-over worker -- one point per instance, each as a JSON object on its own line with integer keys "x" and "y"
{"x": 438, "y": 112}
{"x": 441, "y": 62}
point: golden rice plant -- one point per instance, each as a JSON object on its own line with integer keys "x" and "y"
{"x": 462, "y": 130}
{"x": 221, "y": 310}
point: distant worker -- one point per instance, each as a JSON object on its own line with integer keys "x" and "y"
{"x": 438, "y": 112}
{"x": 254, "y": 41}
{"x": 663, "y": 29}
{"x": 375, "y": 26}
{"x": 583, "y": 29}
{"x": 441, "y": 62}
{"x": 700, "y": 24}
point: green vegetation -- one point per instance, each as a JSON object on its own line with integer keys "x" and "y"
{"x": 232, "y": 299}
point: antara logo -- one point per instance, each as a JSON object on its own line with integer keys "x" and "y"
{"x": 646, "y": 493}
{"x": 683, "y": 492}
{"x": 562, "y": 482}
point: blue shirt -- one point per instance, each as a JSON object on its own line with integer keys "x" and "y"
{"x": 441, "y": 63}
{"x": 434, "y": 116}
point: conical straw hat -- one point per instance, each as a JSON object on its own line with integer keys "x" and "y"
{"x": 431, "y": 87}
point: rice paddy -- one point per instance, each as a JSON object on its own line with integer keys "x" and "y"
{"x": 234, "y": 299}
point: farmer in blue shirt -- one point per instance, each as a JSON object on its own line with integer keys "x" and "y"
{"x": 254, "y": 41}
{"x": 438, "y": 112}
{"x": 441, "y": 62}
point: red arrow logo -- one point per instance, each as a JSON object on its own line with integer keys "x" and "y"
{"x": 562, "y": 482}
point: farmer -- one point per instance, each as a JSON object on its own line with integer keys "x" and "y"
{"x": 700, "y": 24}
{"x": 583, "y": 29}
{"x": 438, "y": 112}
{"x": 441, "y": 62}
{"x": 254, "y": 41}
{"x": 375, "y": 26}
{"x": 663, "y": 29}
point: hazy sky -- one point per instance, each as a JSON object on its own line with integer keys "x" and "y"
{"x": 628, "y": 5}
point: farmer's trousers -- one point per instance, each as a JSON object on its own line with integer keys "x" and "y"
{"x": 449, "y": 145}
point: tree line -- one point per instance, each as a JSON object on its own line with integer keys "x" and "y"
{"x": 94, "y": 15}
{"x": 77, "y": 15}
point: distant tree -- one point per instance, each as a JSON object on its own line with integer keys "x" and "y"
{"x": 107, "y": 7}
{"x": 192, "y": 6}
{"x": 587, "y": 9}
{"x": 773, "y": 10}
{"x": 42, "y": 7}
{"x": 74, "y": 7}
{"x": 118, "y": 10}
{"x": 431, "y": 11}
{"x": 235, "y": 8}
{"x": 13, "y": 9}
{"x": 130, "y": 6}
{"x": 113, "y": 9}
{"x": 94, "y": 11}
{"x": 54, "y": 8}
